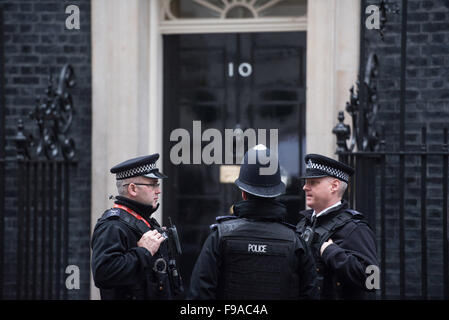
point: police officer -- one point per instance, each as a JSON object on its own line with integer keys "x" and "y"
{"x": 129, "y": 258}
{"x": 252, "y": 254}
{"x": 341, "y": 240}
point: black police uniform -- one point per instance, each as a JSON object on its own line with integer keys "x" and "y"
{"x": 341, "y": 269}
{"x": 121, "y": 269}
{"x": 253, "y": 254}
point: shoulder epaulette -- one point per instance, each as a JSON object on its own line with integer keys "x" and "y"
{"x": 111, "y": 213}
{"x": 220, "y": 219}
{"x": 355, "y": 214}
{"x": 118, "y": 214}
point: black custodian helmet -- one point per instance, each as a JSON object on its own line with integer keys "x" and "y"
{"x": 252, "y": 181}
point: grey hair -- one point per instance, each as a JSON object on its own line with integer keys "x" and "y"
{"x": 342, "y": 188}
{"x": 121, "y": 188}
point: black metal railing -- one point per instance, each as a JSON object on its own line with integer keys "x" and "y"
{"x": 401, "y": 186}
{"x": 2, "y": 150}
{"x": 35, "y": 199}
{"x": 43, "y": 228}
{"x": 383, "y": 184}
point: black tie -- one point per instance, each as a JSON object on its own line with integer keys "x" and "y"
{"x": 313, "y": 220}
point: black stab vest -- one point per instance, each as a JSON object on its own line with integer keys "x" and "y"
{"x": 322, "y": 232}
{"x": 258, "y": 260}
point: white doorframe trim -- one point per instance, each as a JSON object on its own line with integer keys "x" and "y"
{"x": 155, "y": 89}
{"x": 183, "y": 26}
{"x": 332, "y": 67}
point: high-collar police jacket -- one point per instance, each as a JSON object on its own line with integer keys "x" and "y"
{"x": 121, "y": 269}
{"x": 342, "y": 269}
{"x": 254, "y": 255}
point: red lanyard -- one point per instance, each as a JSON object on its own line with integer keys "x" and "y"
{"x": 137, "y": 216}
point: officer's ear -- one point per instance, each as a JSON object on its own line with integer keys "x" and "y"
{"x": 335, "y": 185}
{"x": 132, "y": 189}
{"x": 244, "y": 195}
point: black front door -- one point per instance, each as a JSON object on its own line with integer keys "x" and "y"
{"x": 229, "y": 81}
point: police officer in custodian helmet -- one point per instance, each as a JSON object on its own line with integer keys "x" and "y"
{"x": 130, "y": 251}
{"x": 341, "y": 240}
{"x": 253, "y": 254}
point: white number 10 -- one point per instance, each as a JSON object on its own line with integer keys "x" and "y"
{"x": 245, "y": 69}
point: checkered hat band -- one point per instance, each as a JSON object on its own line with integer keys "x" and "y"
{"x": 137, "y": 171}
{"x": 329, "y": 170}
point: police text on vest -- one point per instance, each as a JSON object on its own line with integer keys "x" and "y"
{"x": 257, "y": 248}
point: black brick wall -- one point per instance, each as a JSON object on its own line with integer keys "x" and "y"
{"x": 427, "y": 105}
{"x": 36, "y": 44}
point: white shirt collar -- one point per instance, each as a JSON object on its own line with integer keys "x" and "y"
{"x": 327, "y": 209}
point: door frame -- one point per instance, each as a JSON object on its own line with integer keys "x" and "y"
{"x": 332, "y": 57}
{"x": 156, "y": 77}
{"x": 332, "y": 54}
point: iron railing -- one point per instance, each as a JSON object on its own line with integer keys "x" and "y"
{"x": 395, "y": 187}
{"x": 35, "y": 199}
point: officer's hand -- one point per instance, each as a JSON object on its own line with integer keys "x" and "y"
{"x": 325, "y": 244}
{"x": 151, "y": 240}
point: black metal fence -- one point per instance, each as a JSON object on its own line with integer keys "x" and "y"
{"x": 392, "y": 188}
{"x": 42, "y": 228}
{"x": 401, "y": 186}
{"x": 35, "y": 200}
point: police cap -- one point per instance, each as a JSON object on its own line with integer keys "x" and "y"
{"x": 141, "y": 166}
{"x": 318, "y": 166}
